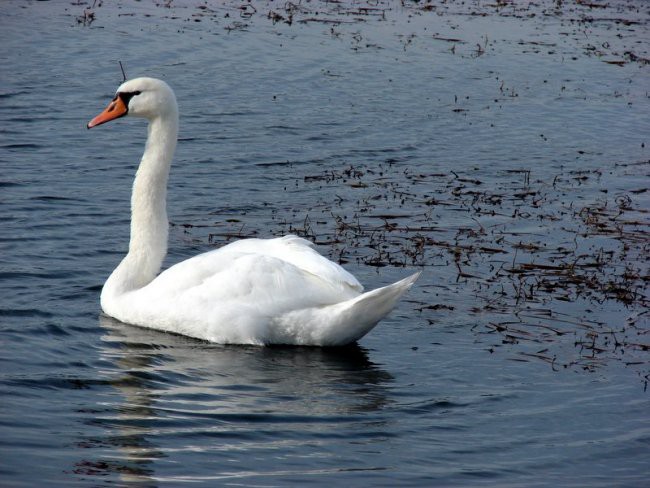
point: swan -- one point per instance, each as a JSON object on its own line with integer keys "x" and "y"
{"x": 252, "y": 291}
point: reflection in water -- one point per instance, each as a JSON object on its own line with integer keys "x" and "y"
{"x": 180, "y": 396}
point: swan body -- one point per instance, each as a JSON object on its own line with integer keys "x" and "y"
{"x": 253, "y": 291}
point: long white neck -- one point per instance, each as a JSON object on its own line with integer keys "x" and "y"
{"x": 149, "y": 224}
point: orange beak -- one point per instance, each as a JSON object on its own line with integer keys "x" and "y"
{"x": 114, "y": 110}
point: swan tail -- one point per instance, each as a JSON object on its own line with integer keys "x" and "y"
{"x": 346, "y": 322}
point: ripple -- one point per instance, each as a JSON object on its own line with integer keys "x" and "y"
{"x": 10, "y": 184}
{"x": 26, "y": 145}
{"x": 430, "y": 406}
{"x": 25, "y": 312}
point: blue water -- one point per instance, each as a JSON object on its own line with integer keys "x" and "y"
{"x": 428, "y": 398}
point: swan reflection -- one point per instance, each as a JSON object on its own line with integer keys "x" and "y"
{"x": 180, "y": 397}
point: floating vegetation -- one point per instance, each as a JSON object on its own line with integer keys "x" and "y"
{"x": 575, "y": 17}
{"x": 556, "y": 269}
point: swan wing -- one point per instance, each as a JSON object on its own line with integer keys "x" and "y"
{"x": 233, "y": 274}
{"x": 302, "y": 254}
{"x": 288, "y": 250}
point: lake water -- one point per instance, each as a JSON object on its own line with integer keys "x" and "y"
{"x": 491, "y": 147}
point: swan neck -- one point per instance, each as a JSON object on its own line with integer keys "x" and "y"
{"x": 149, "y": 223}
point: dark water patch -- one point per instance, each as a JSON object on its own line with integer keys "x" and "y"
{"x": 285, "y": 129}
{"x": 56, "y": 383}
{"x": 197, "y": 398}
{"x": 243, "y": 388}
{"x": 54, "y": 198}
{"x": 10, "y": 184}
{"x": 133, "y": 379}
{"x": 102, "y": 468}
{"x": 442, "y": 406}
{"x": 275, "y": 164}
{"x": 20, "y": 146}
{"x": 27, "y": 312}
{"x": 322, "y": 137}
{"x": 134, "y": 346}
{"x": 91, "y": 292}
{"x": 56, "y": 330}
{"x": 17, "y": 119}
{"x": 88, "y": 328}
{"x": 8, "y": 95}
{"x": 237, "y": 114}
{"x": 59, "y": 274}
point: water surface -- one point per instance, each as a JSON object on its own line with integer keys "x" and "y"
{"x": 367, "y": 130}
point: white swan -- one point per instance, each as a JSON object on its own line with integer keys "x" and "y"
{"x": 254, "y": 291}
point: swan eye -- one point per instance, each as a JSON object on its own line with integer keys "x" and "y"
{"x": 127, "y": 96}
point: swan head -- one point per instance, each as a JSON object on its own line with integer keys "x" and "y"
{"x": 149, "y": 98}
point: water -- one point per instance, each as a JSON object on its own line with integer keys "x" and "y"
{"x": 430, "y": 397}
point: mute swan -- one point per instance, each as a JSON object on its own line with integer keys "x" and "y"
{"x": 253, "y": 291}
